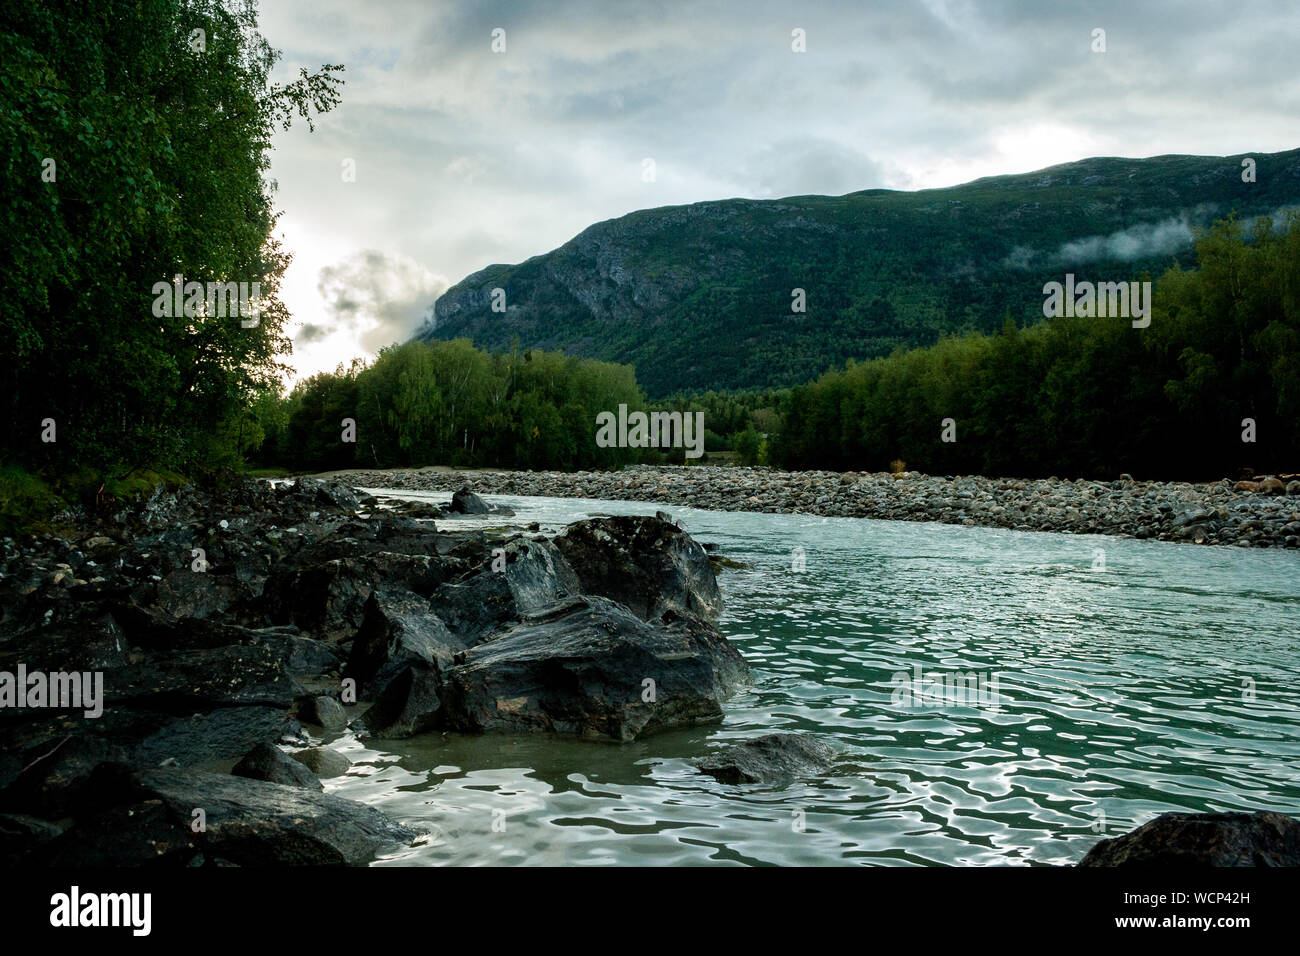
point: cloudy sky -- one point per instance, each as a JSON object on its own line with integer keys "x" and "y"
{"x": 465, "y": 156}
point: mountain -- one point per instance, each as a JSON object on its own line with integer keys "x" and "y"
{"x": 699, "y": 296}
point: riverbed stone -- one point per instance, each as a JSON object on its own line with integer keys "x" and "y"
{"x": 268, "y": 762}
{"x": 465, "y": 502}
{"x": 772, "y": 759}
{"x": 1199, "y": 840}
{"x": 246, "y": 822}
{"x": 322, "y": 761}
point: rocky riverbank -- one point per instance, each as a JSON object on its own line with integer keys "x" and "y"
{"x": 1263, "y": 513}
{"x": 168, "y": 673}
{"x": 164, "y": 671}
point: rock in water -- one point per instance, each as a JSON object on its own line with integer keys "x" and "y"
{"x": 1204, "y": 839}
{"x": 247, "y": 822}
{"x": 322, "y": 761}
{"x": 465, "y": 502}
{"x": 587, "y": 666}
{"x": 772, "y": 758}
{"x": 647, "y": 564}
{"x": 322, "y": 711}
{"x": 265, "y": 762}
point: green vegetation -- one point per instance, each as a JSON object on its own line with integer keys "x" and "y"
{"x": 449, "y": 403}
{"x": 700, "y": 296}
{"x": 135, "y": 149}
{"x": 1087, "y": 397}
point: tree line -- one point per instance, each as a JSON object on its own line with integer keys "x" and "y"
{"x": 1211, "y": 387}
{"x": 443, "y": 402}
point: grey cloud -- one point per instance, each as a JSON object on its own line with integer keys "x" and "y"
{"x": 380, "y": 298}
{"x": 309, "y": 333}
{"x": 799, "y": 167}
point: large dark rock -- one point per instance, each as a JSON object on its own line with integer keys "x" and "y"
{"x": 267, "y": 762}
{"x": 192, "y": 594}
{"x": 149, "y": 818}
{"x": 465, "y": 502}
{"x": 46, "y": 763}
{"x": 400, "y": 629}
{"x": 48, "y": 777}
{"x": 647, "y": 564}
{"x": 325, "y": 712}
{"x": 21, "y": 835}
{"x": 212, "y": 736}
{"x": 328, "y": 599}
{"x": 217, "y": 676}
{"x": 537, "y": 573}
{"x": 409, "y": 704}
{"x": 1195, "y": 840}
{"x": 149, "y": 630}
{"x": 332, "y": 497}
{"x": 477, "y": 607}
{"x": 515, "y": 577}
{"x": 772, "y": 758}
{"x": 141, "y": 834}
{"x": 78, "y": 640}
{"x": 585, "y": 666}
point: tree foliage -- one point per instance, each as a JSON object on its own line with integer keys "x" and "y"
{"x": 1088, "y": 396}
{"x": 135, "y": 149}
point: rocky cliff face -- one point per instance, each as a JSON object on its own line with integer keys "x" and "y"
{"x": 700, "y": 296}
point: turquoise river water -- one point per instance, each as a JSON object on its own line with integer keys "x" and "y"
{"x": 1150, "y": 677}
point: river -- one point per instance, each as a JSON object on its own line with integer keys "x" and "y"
{"x": 1132, "y": 678}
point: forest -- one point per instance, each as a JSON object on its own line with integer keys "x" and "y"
{"x": 1211, "y": 387}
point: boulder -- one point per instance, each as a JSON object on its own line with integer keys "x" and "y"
{"x": 328, "y": 599}
{"x": 193, "y": 594}
{"x": 1196, "y": 840}
{"x": 647, "y": 564}
{"x": 772, "y": 759}
{"x": 322, "y": 761}
{"x": 21, "y": 835}
{"x": 148, "y": 815}
{"x": 409, "y": 704}
{"x": 266, "y": 762}
{"x": 587, "y": 666}
{"x": 322, "y": 711}
{"x": 332, "y": 497}
{"x": 400, "y": 629}
{"x": 188, "y": 680}
{"x": 76, "y": 640}
{"x": 215, "y": 735}
{"x": 465, "y": 502}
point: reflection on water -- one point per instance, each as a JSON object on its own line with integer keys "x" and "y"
{"x": 1168, "y": 681}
